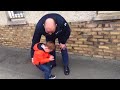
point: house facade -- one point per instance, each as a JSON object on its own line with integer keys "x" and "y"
{"x": 94, "y": 33}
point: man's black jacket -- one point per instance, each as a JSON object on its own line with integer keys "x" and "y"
{"x": 62, "y": 31}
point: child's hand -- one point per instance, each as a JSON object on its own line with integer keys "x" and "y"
{"x": 33, "y": 61}
{"x": 51, "y": 58}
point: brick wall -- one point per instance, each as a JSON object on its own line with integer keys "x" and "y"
{"x": 96, "y": 39}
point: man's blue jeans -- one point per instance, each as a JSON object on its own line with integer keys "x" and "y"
{"x": 64, "y": 54}
{"x": 46, "y": 69}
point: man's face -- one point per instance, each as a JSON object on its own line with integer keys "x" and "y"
{"x": 50, "y": 26}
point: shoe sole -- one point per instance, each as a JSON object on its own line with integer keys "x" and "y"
{"x": 53, "y": 78}
{"x": 67, "y": 73}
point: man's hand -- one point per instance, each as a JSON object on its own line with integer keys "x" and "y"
{"x": 62, "y": 46}
{"x": 51, "y": 58}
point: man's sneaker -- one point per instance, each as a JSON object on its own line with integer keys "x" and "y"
{"x": 52, "y": 77}
{"x": 66, "y": 70}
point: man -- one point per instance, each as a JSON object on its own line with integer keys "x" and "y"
{"x": 53, "y": 26}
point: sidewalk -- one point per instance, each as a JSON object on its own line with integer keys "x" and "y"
{"x": 16, "y": 64}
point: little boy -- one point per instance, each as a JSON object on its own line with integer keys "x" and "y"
{"x": 42, "y": 58}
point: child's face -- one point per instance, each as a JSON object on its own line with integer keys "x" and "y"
{"x": 47, "y": 49}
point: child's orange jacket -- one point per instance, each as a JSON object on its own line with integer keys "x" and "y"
{"x": 40, "y": 56}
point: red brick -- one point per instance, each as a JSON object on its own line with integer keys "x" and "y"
{"x": 104, "y": 47}
{"x": 87, "y": 55}
{"x": 87, "y": 49}
{"x": 115, "y": 33}
{"x": 85, "y": 30}
{"x": 79, "y": 42}
{"x": 82, "y": 25}
{"x": 76, "y": 29}
{"x": 113, "y": 37}
{"x": 99, "y": 25}
{"x": 103, "y": 40}
{"x": 97, "y": 29}
{"x": 107, "y": 36}
{"x": 68, "y": 47}
{"x": 115, "y": 24}
{"x": 82, "y": 39}
{"x": 102, "y": 43}
{"x": 91, "y": 25}
{"x": 115, "y": 40}
{"x": 74, "y": 45}
{"x": 93, "y": 33}
{"x": 108, "y": 29}
{"x": 31, "y": 24}
{"x": 108, "y": 57}
{"x": 103, "y": 33}
{"x": 118, "y": 44}
{"x": 81, "y": 52}
{"x": 107, "y": 25}
{"x": 88, "y": 43}
{"x": 95, "y": 40}
{"x": 108, "y": 51}
{"x": 118, "y": 29}
{"x": 98, "y": 56}
{"x": 97, "y": 36}
{"x": 118, "y": 36}
{"x": 73, "y": 39}
{"x": 98, "y": 50}
{"x": 83, "y": 45}
{"x": 77, "y": 48}
{"x": 118, "y": 48}
{"x": 101, "y": 53}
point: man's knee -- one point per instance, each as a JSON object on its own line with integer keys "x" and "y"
{"x": 64, "y": 50}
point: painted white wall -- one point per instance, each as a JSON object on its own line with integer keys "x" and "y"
{"x": 103, "y": 12}
{"x": 70, "y": 16}
{"x": 34, "y": 16}
{"x": 3, "y": 18}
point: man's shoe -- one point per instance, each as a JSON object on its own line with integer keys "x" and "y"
{"x": 66, "y": 70}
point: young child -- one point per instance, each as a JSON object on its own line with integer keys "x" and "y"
{"x": 42, "y": 58}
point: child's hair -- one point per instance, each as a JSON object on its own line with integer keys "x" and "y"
{"x": 50, "y": 45}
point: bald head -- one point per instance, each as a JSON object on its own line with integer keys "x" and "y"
{"x": 50, "y": 26}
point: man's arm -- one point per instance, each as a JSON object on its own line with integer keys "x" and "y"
{"x": 66, "y": 33}
{"x": 37, "y": 36}
{"x": 67, "y": 30}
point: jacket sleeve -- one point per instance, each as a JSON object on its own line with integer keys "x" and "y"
{"x": 37, "y": 36}
{"x": 43, "y": 60}
{"x": 65, "y": 33}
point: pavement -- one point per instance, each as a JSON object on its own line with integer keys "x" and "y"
{"x": 15, "y": 63}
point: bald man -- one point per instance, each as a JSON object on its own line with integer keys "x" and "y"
{"x": 53, "y": 26}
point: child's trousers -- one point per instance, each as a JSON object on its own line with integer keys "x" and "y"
{"x": 46, "y": 70}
